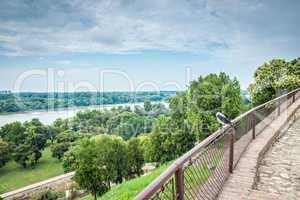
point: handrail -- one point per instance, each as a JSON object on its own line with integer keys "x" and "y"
{"x": 264, "y": 104}
{"x": 178, "y": 164}
{"x": 158, "y": 182}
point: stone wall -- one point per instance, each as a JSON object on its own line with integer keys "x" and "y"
{"x": 59, "y": 183}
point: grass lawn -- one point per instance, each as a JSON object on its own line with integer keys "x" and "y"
{"x": 129, "y": 189}
{"x": 13, "y": 176}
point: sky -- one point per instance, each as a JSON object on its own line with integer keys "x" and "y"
{"x": 124, "y": 45}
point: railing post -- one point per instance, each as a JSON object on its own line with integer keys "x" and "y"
{"x": 294, "y": 97}
{"x": 253, "y": 123}
{"x": 278, "y": 107}
{"x": 179, "y": 183}
{"x": 231, "y": 150}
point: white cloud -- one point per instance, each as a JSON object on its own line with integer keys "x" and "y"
{"x": 228, "y": 29}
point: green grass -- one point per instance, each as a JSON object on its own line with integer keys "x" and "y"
{"x": 13, "y": 176}
{"x": 129, "y": 189}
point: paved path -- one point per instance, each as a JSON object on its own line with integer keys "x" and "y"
{"x": 241, "y": 184}
{"x": 279, "y": 172}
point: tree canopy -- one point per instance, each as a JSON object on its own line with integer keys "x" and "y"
{"x": 102, "y": 160}
{"x": 195, "y": 109}
{"x": 274, "y": 78}
{"x": 192, "y": 116}
{"x": 27, "y": 140}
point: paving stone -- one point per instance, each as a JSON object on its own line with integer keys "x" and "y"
{"x": 278, "y": 176}
{"x": 283, "y": 159}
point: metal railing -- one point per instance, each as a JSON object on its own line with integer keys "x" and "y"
{"x": 201, "y": 172}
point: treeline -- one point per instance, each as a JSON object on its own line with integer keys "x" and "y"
{"x": 16, "y": 102}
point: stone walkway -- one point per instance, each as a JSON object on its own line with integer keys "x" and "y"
{"x": 243, "y": 184}
{"x": 279, "y": 172}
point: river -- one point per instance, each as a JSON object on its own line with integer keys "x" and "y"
{"x": 47, "y": 117}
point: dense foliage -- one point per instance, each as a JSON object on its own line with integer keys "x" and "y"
{"x": 10, "y": 102}
{"x": 192, "y": 116}
{"x": 26, "y": 141}
{"x": 92, "y": 173}
{"x": 274, "y": 78}
{"x": 102, "y": 160}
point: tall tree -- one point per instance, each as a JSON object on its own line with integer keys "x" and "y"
{"x": 115, "y": 155}
{"x": 192, "y": 115}
{"x": 27, "y": 139}
{"x": 273, "y": 79}
{"x": 91, "y": 170}
{"x": 13, "y": 133}
{"x": 135, "y": 157}
{"x": 195, "y": 109}
{"x": 98, "y": 162}
{"x": 25, "y": 155}
{"x": 4, "y": 153}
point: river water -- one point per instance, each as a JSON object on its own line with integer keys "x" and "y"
{"x": 47, "y": 117}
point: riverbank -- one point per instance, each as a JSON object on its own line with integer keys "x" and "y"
{"x": 49, "y": 116}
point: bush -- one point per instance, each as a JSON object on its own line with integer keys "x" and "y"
{"x": 48, "y": 195}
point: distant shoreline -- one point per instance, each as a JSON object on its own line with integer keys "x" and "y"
{"x": 49, "y": 116}
{"x": 75, "y": 107}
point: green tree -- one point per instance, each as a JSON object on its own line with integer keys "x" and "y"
{"x": 195, "y": 109}
{"x": 25, "y": 155}
{"x": 133, "y": 126}
{"x": 13, "y": 133}
{"x": 147, "y": 105}
{"x": 35, "y": 138}
{"x": 161, "y": 147}
{"x": 178, "y": 107}
{"x": 67, "y": 136}
{"x": 58, "y": 149}
{"x": 27, "y": 140}
{"x": 27, "y": 143}
{"x": 91, "y": 170}
{"x": 135, "y": 157}
{"x": 70, "y": 158}
{"x": 98, "y": 162}
{"x": 145, "y": 144}
{"x": 4, "y": 153}
{"x": 60, "y": 125}
{"x": 184, "y": 141}
{"x": 273, "y": 79}
{"x": 51, "y": 133}
{"x": 192, "y": 116}
{"x": 64, "y": 140}
{"x": 115, "y": 155}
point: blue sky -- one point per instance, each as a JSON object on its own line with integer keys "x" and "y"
{"x": 140, "y": 45}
